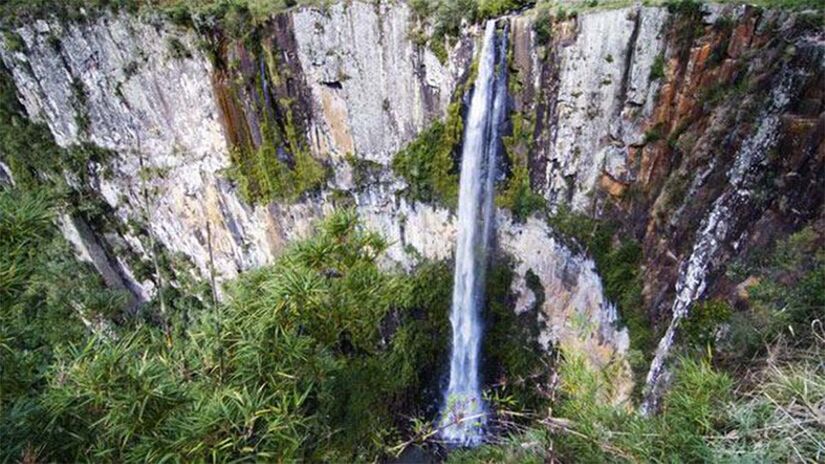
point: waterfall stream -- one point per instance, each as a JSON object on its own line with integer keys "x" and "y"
{"x": 464, "y": 414}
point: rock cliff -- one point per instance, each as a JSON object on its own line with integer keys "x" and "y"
{"x": 699, "y": 132}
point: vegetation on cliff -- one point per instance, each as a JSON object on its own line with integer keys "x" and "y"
{"x": 314, "y": 357}
{"x": 428, "y": 163}
{"x": 321, "y": 356}
{"x": 751, "y": 392}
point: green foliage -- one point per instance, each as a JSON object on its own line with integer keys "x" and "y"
{"x": 686, "y": 8}
{"x": 428, "y": 162}
{"x": 313, "y": 358}
{"x": 235, "y": 16}
{"x": 493, "y": 8}
{"x": 514, "y": 361}
{"x": 703, "y": 417}
{"x": 770, "y": 423}
{"x": 518, "y": 195}
{"x": 177, "y": 49}
{"x": 543, "y": 26}
{"x": 654, "y": 134}
{"x": 700, "y": 327}
{"x": 588, "y": 428}
{"x": 657, "y": 69}
{"x": 787, "y": 298}
{"x": 263, "y": 175}
{"x": 364, "y": 171}
{"x": 40, "y": 309}
{"x": 28, "y": 148}
{"x": 440, "y": 20}
{"x": 528, "y": 448}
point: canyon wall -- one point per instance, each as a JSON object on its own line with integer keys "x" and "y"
{"x": 699, "y": 132}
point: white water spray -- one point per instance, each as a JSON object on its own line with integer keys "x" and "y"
{"x": 464, "y": 414}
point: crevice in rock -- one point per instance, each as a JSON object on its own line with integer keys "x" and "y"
{"x": 628, "y": 61}
{"x": 335, "y": 85}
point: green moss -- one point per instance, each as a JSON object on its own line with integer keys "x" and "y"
{"x": 428, "y": 163}
{"x": 262, "y": 177}
{"x": 281, "y": 167}
{"x": 657, "y": 69}
{"x": 518, "y": 195}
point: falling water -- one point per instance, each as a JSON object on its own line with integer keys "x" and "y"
{"x": 463, "y": 414}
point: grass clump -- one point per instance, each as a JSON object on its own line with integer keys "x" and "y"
{"x": 657, "y": 69}
{"x": 428, "y": 163}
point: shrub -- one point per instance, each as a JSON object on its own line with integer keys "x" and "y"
{"x": 543, "y": 26}
{"x": 703, "y": 321}
{"x": 311, "y": 358}
{"x": 787, "y": 297}
{"x": 518, "y": 195}
{"x": 657, "y": 69}
{"x": 427, "y": 163}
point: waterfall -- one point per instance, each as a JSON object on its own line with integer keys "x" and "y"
{"x": 463, "y": 414}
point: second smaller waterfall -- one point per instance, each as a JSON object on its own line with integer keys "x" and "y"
{"x": 464, "y": 414}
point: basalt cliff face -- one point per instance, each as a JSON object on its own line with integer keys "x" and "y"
{"x": 700, "y": 133}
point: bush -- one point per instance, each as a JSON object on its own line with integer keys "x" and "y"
{"x": 312, "y": 358}
{"x": 543, "y": 25}
{"x": 518, "y": 195}
{"x": 657, "y": 69}
{"x": 786, "y": 299}
{"x": 701, "y": 326}
{"x": 428, "y": 162}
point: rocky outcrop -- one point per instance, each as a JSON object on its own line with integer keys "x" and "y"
{"x": 573, "y": 311}
{"x": 694, "y": 131}
{"x": 653, "y": 120}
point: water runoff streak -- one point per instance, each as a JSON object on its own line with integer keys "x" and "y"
{"x": 463, "y": 416}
